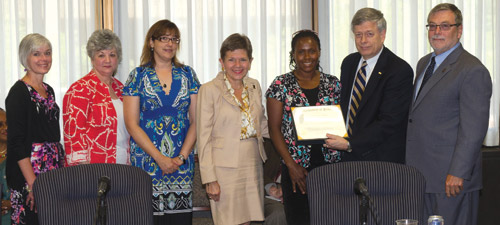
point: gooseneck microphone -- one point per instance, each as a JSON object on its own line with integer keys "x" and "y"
{"x": 360, "y": 187}
{"x": 103, "y": 186}
{"x": 364, "y": 202}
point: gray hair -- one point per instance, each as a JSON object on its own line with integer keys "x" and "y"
{"x": 104, "y": 40}
{"x": 369, "y": 14}
{"x": 447, "y": 6}
{"x": 29, "y": 44}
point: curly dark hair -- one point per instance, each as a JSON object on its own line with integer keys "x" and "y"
{"x": 298, "y": 35}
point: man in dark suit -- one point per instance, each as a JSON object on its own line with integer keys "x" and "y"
{"x": 448, "y": 120}
{"x": 376, "y": 116}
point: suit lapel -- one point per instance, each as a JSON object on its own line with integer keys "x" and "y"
{"x": 349, "y": 74}
{"x": 375, "y": 76}
{"x": 352, "y": 74}
{"x": 225, "y": 92}
{"x": 443, "y": 69}
{"x": 419, "y": 73}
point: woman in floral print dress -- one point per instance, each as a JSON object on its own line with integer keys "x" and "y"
{"x": 33, "y": 120}
{"x": 305, "y": 85}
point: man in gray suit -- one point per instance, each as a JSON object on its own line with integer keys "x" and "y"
{"x": 448, "y": 120}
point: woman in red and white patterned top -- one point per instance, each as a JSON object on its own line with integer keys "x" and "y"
{"x": 94, "y": 128}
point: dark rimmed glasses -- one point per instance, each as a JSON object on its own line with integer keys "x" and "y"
{"x": 443, "y": 26}
{"x": 166, "y": 39}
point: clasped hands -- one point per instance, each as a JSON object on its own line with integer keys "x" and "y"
{"x": 169, "y": 165}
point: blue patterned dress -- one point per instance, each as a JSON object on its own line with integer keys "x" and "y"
{"x": 164, "y": 118}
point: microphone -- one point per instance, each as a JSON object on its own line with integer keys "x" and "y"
{"x": 360, "y": 187}
{"x": 103, "y": 186}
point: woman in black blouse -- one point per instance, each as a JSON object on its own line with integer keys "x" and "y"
{"x": 33, "y": 120}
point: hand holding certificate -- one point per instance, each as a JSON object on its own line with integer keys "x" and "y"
{"x": 312, "y": 123}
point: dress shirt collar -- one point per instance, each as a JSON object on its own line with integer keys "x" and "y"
{"x": 441, "y": 57}
{"x": 371, "y": 62}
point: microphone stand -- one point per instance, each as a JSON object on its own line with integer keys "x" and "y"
{"x": 361, "y": 191}
{"x": 363, "y": 210}
{"x": 101, "y": 210}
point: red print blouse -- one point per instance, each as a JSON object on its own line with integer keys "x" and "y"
{"x": 90, "y": 121}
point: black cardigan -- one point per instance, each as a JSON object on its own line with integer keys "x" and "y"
{"x": 27, "y": 125}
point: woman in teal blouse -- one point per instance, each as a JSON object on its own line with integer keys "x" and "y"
{"x": 5, "y": 210}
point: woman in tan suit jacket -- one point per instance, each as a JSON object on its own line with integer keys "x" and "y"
{"x": 230, "y": 129}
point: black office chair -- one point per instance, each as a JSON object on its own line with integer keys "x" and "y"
{"x": 69, "y": 195}
{"x": 397, "y": 192}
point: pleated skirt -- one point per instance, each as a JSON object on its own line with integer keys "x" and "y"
{"x": 242, "y": 188}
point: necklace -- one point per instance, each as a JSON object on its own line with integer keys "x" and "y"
{"x": 164, "y": 86}
{"x": 166, "y": 82}
{"x": 3, "y": 153}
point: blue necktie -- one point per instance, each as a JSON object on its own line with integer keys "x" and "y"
{"x": 357, "y": 94}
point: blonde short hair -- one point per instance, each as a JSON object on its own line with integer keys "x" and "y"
{"x": 29, "y": 44}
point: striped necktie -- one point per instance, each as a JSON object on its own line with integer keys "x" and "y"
{"x": 357, "y": 94}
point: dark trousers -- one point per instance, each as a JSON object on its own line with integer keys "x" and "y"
{"x": 459, "y": 210}
{"x": 296, "y": 204}
{"x": 31, "y": 218}
{"x": 175, "y": 218}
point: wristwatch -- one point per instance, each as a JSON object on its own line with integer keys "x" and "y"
{"x": 181, "y": 157}
{"x": 349, "y": 148}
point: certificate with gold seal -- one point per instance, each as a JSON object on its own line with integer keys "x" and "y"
{"x": 312, "y": 123}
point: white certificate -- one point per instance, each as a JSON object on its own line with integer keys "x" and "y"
{"x": 312, "y": 123}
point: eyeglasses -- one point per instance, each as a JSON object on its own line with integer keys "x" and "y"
{"x": 166, "y": 39}
{"x": 367, "y": 35}
{"x": 443, "y": 26}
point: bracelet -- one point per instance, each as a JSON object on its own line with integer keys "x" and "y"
{"x": 28, "y": 189}
{"x": 349, "y": 148}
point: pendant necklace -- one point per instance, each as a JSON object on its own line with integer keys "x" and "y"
{"x": 164, "y": 87}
